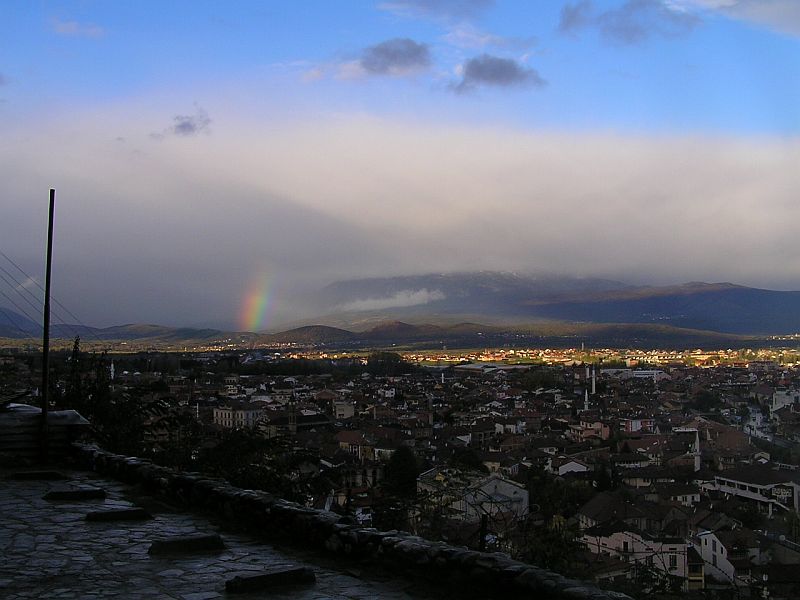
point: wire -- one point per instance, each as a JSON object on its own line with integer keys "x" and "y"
{"x": 35, "y": 307}
{"x": 36, "y": 283}
{"x": 36, "y": 304}
{"x": 21, "y": 309}
{"x": 55, "y": 301}
{"x": 7, "y": 314}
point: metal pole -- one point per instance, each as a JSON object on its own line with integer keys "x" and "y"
{"x": 46, "y": 331}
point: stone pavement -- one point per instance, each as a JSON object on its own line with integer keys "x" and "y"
{"x": 49, "y": 550}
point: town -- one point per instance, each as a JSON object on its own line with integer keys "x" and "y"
{"x": 664, "y": 471}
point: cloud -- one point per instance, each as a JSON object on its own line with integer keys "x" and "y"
{"x": 494, "y": 71}
{"x": 75, "y": 29}
{"x": 778, "y": 15}
{"x": 324, "y": 197}
{"x": 186, "y": 125}
{"x": 398, "y": 56}
{"x": 633, "y": 22}
{"x": 465, "y": 35}
{"x": 575, "y": 16}
{"x": 446, "y": 9}
{"x": 401, "y": 298}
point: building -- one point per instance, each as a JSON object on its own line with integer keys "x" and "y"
{"x": 237, "y": 415}
{"x": 468, "y": 496}
{"x": 769, "y": 489}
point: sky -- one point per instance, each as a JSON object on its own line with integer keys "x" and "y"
{"x": 217, "y": 164}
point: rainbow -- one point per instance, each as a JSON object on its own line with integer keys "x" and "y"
{"x": 255, "y": 305}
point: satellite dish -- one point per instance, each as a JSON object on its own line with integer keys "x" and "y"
{"x": 782, "y": 538}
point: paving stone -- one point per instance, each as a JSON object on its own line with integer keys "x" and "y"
{"x": 119, "y": 514}
{"x": 270, "y": 580}
{"x": 190, "y": 543}
{"x": 85, "y": 493}
{"x": 83, "y": 560}
{"x": 37, "y": 476}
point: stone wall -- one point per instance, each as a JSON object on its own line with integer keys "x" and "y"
{"x": 278, "y": 519}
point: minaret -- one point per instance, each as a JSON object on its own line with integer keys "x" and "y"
{"x": 292, "y": 417}
{"x": 594, "y": 381}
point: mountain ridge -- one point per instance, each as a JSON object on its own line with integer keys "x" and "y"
{"x": 475, "y": 306}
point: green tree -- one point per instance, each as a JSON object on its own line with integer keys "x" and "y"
{"x": 387, "y": 364}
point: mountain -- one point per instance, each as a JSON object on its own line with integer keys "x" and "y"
{"x": 493, "y": 308}
{"x": 312, "y": 334}
{"x": 720, "y": 307}
{"x": 16, "y": 326}
{"x": 509, "y": 298}
{"x": 550, "y": 334}
{"x": 456, "y": 293}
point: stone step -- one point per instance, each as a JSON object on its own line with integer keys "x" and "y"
{"x": 37, "y": 476}
{"x": 185, "y": 544}
{"x": 85, "y": 493}
{"x": 270, "y": 579}
{"x": 119, "y": 514}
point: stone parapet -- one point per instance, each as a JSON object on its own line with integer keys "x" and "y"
{"x": 402, "y": 552}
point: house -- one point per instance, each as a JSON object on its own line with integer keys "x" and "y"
{"x": 668, "y": 555}
{"x": 470, "y": 495}
{"x": 729, "y": 555}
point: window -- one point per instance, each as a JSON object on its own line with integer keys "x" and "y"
{"x": 673, "y": 561}
{"x": 713, "y": 545}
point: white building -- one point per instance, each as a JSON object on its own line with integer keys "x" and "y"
{"x": 769, "y": 489}
{"x": 237, "y": 415}
{"x": 669, "y": 555}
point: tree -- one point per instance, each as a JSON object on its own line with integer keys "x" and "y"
{"x": 554, "y": 546}
{"x": 74, "y": 393}
{"x": 467, "y": 458}
{"x": 401, "y": 473}
{"x": 387, "y": 364}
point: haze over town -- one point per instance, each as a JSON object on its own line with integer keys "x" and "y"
{"x": 204, "y": 151}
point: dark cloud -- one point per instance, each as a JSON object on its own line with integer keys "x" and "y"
{"x": 395, "y": 57}
{"x": 186, "y": 125}
{"x": 632, "y": 22}
{"x": 494, "y": 71}
{"x": 575, "y": 16}
{"x": 449, "y": 9}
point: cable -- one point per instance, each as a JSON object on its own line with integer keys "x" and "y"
{"x": 24, "y": 297}
{"x": 36, "y": 307}
{"x": 36, "y": 283}
{"x": 22, "y": 310}
{"x": 7, "y": 315}
{"x": 55, "y": 300}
